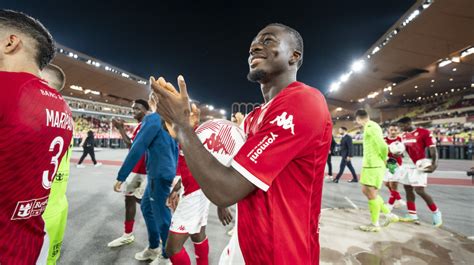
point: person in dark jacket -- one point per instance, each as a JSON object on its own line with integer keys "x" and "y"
{"x": 346, "y": 150}
{"x": 88, "y": 149}
{"x": 331, "y": 153}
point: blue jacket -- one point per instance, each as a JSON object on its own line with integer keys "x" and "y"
{"x": 161, "y": 150}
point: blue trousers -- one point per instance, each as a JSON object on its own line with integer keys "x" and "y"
{"x": 155, "y": 212}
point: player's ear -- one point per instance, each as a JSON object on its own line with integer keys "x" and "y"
{"x": 11, "y": 44}
{"x": 295, "y": 57}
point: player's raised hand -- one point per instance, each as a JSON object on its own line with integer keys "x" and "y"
{"x": 172, "y": 105}
{"x": 117, "y": 123}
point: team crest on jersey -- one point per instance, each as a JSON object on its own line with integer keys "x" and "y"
{"x": 28, "y": 209}
{"x": 285, "y": 122}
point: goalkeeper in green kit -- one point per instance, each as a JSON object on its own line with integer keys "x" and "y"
{"x": 373, "y": 171}
{"x": 55, "y": 215}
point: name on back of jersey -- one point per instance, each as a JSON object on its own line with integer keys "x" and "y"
{"x": 59, "y": 119}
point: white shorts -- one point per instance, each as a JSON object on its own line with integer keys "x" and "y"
{"x": 411, "y": 176}
{"x": 135, "y": 185}
{"x": 395, "y": 177}
{"x": 191, "y": 214}
{"x": 232, "y": 255}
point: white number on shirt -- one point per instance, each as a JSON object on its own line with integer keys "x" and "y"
{"x": 54, "y": 160}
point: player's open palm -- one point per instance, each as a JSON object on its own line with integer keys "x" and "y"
{"x": 173, "y": 200}
{"x": 117, "y": 123}
{"x": 172, "y": 105}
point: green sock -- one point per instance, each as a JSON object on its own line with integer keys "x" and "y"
{"x": 383, "y": 207}
{"x": 374, "y": 208}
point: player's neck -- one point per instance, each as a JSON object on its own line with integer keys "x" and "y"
{"x": 20, "y": 67}
{"x": 276, "y": 84}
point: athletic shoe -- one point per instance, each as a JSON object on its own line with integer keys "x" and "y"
{"x": 123, "y": 240}
{"x": 80, "y": 166}
{"x": 328, "y": 177}
{"x": 353, "y": 181}
{"x": 411, "y": 218}
{"x": 160, "y": 260}
{"x": 390, "y": 218}
{"x": 399, "y": 204}
{"x": 335, "y": 181}
{"x": 369, "y": 228}
{"x": 437, "y": 219}
{"x": 98, "y": 164}
{"x": 148, "y": 254}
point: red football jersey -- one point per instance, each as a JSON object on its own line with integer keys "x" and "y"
{"x": 35, "y": 132}
{"x": 189, "y": 183}
{"x": 284, "y": 156}
{"x": 416, "y": 143}
{"x": 140, "y": 167}
{"x": 389, "y": 140}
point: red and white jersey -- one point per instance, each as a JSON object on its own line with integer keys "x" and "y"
{"x": 35, "y": 132}
{"x": 284, "y": 157}
{"x": 189, "y": 183}
{"x": 389, "y": 140}
{"x": 416, "y": 143}
{"x": 140, "y": 167}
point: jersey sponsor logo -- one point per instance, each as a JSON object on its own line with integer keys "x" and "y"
{"x": 264, "y": 144}
{"x": 285, "y": 122}
{"x": 61, "y": 120}
{"x": 221, "y": 142}
{"x": 30, "y": 208}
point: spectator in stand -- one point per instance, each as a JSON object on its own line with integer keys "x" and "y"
{"x": 88, "y": 149}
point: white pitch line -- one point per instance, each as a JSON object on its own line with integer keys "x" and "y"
{"x": 351, "y": 203}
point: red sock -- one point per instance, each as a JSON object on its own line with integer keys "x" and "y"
{"x": 396, "y": 194}
{"x": 129, "y": 226}
{"x": 391, "y": 200}
{"x": 202, "y": 252}
{"x": 411, "y": 207}
{"x": 433, "y": 207}
{"x": 181, "y": 258}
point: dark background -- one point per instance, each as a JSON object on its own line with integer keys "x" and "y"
{"x": 208, "y": 41}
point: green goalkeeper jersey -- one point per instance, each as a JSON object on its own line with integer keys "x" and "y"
{"x": 375, "y": 148}
{"x": 57, "y": 201}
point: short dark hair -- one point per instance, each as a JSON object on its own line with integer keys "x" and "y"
{"x": 404, "y": 120}
{"x": 45, "y": 48}
{"x": 142, "y": 102}
{"x": 344, "y": 128}
{"x": 296, "y": 35}
{"x": 393, "y": 124}
{"x": 361, "y": 113}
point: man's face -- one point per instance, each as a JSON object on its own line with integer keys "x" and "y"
{"x": 270, "y": 53}
{"x": 341, "y": 131}
{"x": 393, "y": 131}
{"x": 405, "y": 126}
{"x": 358, "y": 121}
{"x": 139, "y": 111}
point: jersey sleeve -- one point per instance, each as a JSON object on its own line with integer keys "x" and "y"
{"x": 428, "y": 139}
{"x": 284, "y": 132}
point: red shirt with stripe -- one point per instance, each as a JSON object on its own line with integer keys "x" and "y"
{"x": 389, "y": 140}
{"x": 416, "y": 143}
{"x": 189, "y": 183}
{"x": 284, "y": 157}
{"x": 35, "y": 132}
{"x": 140, "y": 167}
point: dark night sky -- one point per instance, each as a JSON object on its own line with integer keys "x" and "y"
{"x": 208, "y": 41}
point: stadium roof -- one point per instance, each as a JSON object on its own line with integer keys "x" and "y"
{"x": 92, "y": 79}
{"x": 429, "y": 50}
